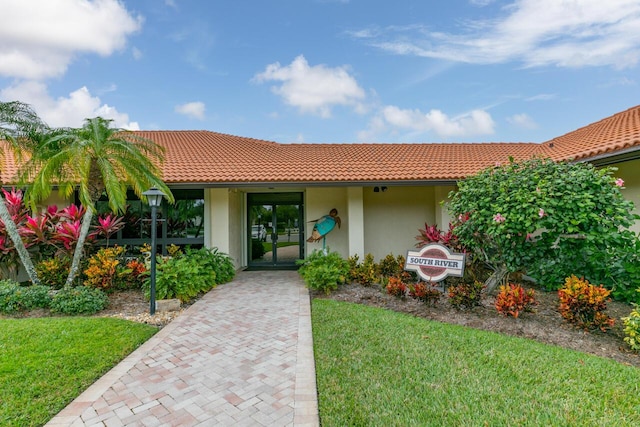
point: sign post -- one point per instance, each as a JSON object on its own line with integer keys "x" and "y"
{"x": 435, "y": 262}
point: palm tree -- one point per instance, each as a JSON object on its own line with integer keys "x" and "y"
{"x": 93, "y": 159}
{"x": 18, "y": 124}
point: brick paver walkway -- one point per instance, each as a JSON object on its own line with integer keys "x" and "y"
{"x": 241, "y": 355}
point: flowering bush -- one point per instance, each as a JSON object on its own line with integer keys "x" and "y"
{"x": 547, "y": 219}
{"x": 514, "y": 299}
{"x": 583, "y": 304}
{"x": 425, "y": 292}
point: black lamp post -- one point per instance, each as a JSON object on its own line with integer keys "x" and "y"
{"x": 154, "y": 198}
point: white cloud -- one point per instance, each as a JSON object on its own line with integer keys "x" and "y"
{"x": 137, "y": 53}
{"x": 194, "y": 110}
{"x": 523, "y": 121}
{"x": 68, "y": 111}
{"x": 533, "y": 32}
{"x": 39, "y": 39}
{"x": 313, "y": 89}
{"x": 542, "y": 97}
{"x": 476, "y": 122}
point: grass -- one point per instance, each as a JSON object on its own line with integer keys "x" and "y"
{"x": 376, "y": 367}
{"x": 47, "y": 362}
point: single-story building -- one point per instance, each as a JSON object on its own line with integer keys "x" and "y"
{"x": 234, "y": 192}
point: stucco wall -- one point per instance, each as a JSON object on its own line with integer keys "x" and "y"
{"x": 318, "y": 202}
{"x": 630, "y": 173}
{"x": 237, "y": 230}
{"x": 392, "y": 218}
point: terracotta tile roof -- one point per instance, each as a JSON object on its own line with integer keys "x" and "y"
{"x": 209, "y": 157}
{"x": 607, "y": 136}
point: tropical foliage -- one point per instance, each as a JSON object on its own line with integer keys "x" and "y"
{"x": 547, "y": 219}
{"x": 93, "y": 160}
{"x": 18, "y": 125}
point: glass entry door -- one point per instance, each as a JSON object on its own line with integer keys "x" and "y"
{"x": 275, "y": 227}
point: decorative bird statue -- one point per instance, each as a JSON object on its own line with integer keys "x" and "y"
{"x": 324, "y": 225}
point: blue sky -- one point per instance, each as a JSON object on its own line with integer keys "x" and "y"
{"x": 326, "y": 70}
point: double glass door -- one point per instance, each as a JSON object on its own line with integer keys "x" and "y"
{"x": 276, "y": 228}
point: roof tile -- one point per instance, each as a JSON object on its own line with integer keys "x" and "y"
{"x": 210, "y": 157}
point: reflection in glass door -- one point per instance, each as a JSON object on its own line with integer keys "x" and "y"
{"x": 275, "y": 228}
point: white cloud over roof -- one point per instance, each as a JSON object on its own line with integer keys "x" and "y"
{"x": 313, "y": 89}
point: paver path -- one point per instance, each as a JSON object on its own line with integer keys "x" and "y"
{"x": 241, "y": 355}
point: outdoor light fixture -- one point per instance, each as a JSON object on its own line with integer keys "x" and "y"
{"x": 154, "y": 198}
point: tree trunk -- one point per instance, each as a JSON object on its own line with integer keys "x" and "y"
{"x": 496, "y": 278}
{"x": 12, "y": 231}
{"x": 77, "y": 254}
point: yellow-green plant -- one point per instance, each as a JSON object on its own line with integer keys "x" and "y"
{"x": 583, "y": 304}
{"x": 632, "y": 328}
{"x": 105, "y": 271}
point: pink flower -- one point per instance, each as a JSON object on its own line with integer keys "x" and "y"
{"x": 541, "y": 213}
{"x": 619, "y": 182}
{"x": 498, "y": 218}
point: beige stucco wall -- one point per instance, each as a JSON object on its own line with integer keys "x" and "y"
{"x": 392, "y": 218}
{"x": 630, "y": 173}
{"x": 318, "y": 202}
{"x": 237, "y": 229}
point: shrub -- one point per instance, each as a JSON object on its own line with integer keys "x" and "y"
{"x": 466, "y": 295}
{"x": 514, "y": 299}
{"x": 391, "y": 266}
{"x": 190, "y": 273}
{"x": 396, "y": 287}
{"x": 353, "y": 262}
{"x": 425, "y": 292}
{"x": 221, "y": 263}
{"x": 257, "y": 249}
{"x": 632, "y": 328}
{"x": 106, "y": 271}
{"x": 15, "y": 298}
{"x": 79, "y": 300}
{"x": 547, "y": 219}
{"x": 324, "y": 271}
{"x": 54, "y": 271}
{"x": 8, "y": 303}
{"x": 366, "y": 273}
{"x": 36, "y": 296}
{"x": 583, "y": 304}
{"x": 137, "y": 270}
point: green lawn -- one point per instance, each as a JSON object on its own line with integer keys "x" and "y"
{"x": 45, "y": 363}
{"x": 381, "y": 368}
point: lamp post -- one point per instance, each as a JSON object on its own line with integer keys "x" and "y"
{"x": 154, "y": 198}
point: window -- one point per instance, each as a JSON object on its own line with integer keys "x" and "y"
{"x": 180, "y": 224}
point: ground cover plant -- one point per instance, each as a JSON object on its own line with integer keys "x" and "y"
{"x": 380, "y": 367}
{"x": 46, "y": 362}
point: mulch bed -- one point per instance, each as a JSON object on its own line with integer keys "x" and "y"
{"x": 544, "y": 324}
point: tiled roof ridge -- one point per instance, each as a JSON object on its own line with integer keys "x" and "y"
{"x": 591, "y": 125}
{"x": 211, "y": 132}
{"x": 382, "y": 144}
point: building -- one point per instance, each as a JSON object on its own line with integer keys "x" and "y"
{"x": 229, "y": 188}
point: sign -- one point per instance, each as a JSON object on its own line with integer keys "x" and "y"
{"x": 434, "y": 263}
